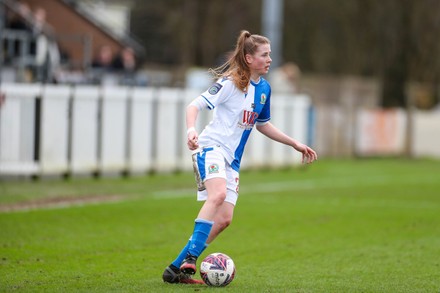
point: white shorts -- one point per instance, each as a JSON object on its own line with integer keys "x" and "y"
{"x": 210, "y": 163}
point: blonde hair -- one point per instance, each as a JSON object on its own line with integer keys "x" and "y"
{"x": 236, "y": 66}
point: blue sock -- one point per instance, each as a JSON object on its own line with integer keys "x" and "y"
{"x": 178, "y": 261}
{"x": 198, "y": 240}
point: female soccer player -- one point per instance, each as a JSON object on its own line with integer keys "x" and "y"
{"x": 241, "y": 99}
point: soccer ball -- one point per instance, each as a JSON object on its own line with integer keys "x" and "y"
{"x": 217, "y": 269}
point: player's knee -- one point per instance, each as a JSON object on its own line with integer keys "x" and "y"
{"x": 218, "y": 197}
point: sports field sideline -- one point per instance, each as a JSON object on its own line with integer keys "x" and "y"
{"x": 335, "y": 226}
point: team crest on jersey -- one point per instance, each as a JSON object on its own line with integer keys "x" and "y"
{"x": 213, "y": 168}
{"x": 263, "y": 99}
{"x": 213, "y": 90}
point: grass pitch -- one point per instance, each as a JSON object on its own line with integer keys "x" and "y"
{"x": 335, "y": 226}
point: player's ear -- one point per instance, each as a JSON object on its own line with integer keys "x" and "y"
{"x": 248, "y": 58}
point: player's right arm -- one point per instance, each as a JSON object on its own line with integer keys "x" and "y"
{"x": 192, "y": 112}
{"x": 209, "y": 99}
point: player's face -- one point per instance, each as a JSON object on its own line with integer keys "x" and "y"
{"x": 259, "y": 63}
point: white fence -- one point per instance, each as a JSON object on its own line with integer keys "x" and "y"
{"x": 54, "y": 130}
{"x": 384, "y": 132}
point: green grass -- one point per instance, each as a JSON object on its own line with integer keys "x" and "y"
{"x": 335, "y": 226}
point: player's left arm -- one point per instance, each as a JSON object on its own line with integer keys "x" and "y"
{"x": 269, "y": 130}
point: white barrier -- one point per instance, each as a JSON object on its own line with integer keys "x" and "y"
{"x": 84, "y": 129}
{"x": 113, "y": 129}
{"x": 426, "y": 141}
{"x": 140, "y": 126}
{"x": 381, "y": 132}
{"x": 168, "y": 134}
{"x": 18, "y": 129}
{"x": 55, "y": 130}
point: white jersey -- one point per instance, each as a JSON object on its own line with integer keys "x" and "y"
{"x": 235, "y": 114}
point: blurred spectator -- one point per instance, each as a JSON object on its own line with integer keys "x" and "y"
{"x": 104, "y": 58}
{"x": 125, "y": 60}
{"x": 47, "y": 53}
{"x": 102, "y": 67}
{"x": 125, "y": 65}
{"x": 40, "y": 19}
{"x": 116, "y": 70}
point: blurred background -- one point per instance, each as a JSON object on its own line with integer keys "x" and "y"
{"x": 352, "y": 78}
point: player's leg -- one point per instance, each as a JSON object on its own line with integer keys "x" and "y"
{"x": 216, "y": 189}
{"x": 223, "y": 217}
{"x": 220, "y": 202}
{"x": 222, "y": 220}
{"x": 211, "y": 168}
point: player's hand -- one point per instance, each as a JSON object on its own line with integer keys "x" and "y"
{"x": 192, "y": 141}
{"x": 308, "y": 155}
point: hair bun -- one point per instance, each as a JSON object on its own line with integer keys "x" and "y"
{"x": 246, "y": 34}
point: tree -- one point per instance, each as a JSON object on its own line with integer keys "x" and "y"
{"x": 394, "y": 40}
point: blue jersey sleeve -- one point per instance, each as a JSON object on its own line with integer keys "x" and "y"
{"x": 264, "y": 115}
